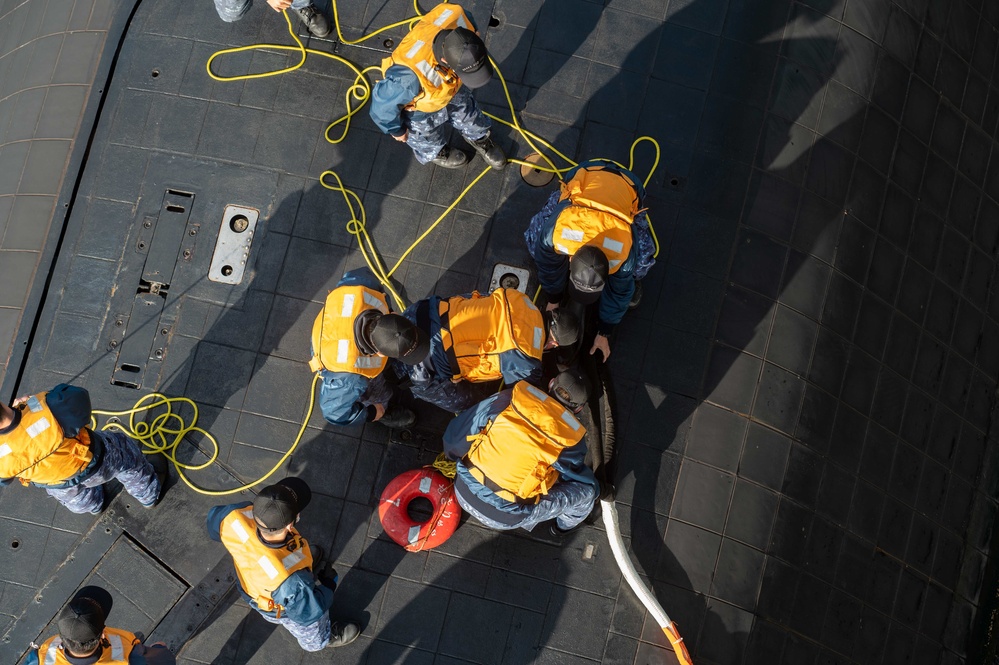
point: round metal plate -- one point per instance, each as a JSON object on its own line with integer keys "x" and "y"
{"x": 510, "y": 281}
{"x": 535, "y": 177}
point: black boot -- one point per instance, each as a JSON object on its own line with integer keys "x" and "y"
{"x": 492, "y": 154}
{"x": 558, "y": 532}
{"x": 343, "y": 633}
{"x": 450, "y": 158}
{"x": 161, "y": 469}
{"x": 397, "y": 417}
{"x": 315, "y": 21}
{"x": 636, "y": 297}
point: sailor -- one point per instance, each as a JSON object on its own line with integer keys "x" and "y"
{"x": 592, "y": 239}
{"x": 45, "y": 441}
{"x": 351, "y": 338}
{"x": 275, "y": 564}
{"x": 83, "y": 638}
{"x": 520, "y": 457}
{"x": 426, "y": 85}
{"x": 475, "y": 340}
{"x": 313, "y": 19}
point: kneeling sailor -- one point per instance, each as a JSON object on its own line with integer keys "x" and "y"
{"x": 475, "y": 340}
{"x": 520, "y": 457}
{"x": 593, "y": 239}
{"x": 352, "y": 338}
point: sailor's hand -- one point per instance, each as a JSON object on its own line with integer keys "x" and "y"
{"x": 602, "y": 344}
{"x": 402, "y": 137}
{"x": 379, "y": 411}
{"x": 552, "y": 306}
{"x": 23, "y": 399}
{"x": 279, "y": 5}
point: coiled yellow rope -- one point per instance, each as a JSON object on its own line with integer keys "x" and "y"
{"x": 447, "y": 467}
{"x": 167, "y": 428}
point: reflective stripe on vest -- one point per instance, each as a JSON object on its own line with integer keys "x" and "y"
{"x": 261, "y": 569}
{"x": 117, "y": 648}
{"x": 438, "y": 83}
{"x": 602, "y": 206}
{"x": 38, "y": 451}
{"x": 476, "y": 330}
{"x": 53, "y": 651}
{"x": 514, "y": 454}
{"x": 333, "y": 332}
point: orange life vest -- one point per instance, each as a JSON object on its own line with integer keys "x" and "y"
{"x": 513, "y": 455}
{"x": 38, "y": 451}
{"x": 117, "y": 646}
{"x": 477, "y": 330}
{"x": 261, "y": 569}
{"x": 438, "y": 82}
{"x": 333, "y": 332}
{"x": 602, "y": 206}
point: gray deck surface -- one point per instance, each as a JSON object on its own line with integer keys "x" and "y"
{"x": 50, "y": 55}
{"x": 807, "y": 465}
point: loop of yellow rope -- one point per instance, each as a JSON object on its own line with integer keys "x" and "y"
{"x": 357, "y": 227}
{"x": 358, "y": 92}
{"x": 167, "y": 430}
{"x": 448, "y": 468}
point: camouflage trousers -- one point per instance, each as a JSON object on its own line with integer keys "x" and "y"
{"x": 428, "y": 131}
{"x": 312, "y": 637}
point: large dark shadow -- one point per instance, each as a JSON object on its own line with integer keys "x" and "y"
{"x": 775, "y": 297}
{"x": 705, "y": 104}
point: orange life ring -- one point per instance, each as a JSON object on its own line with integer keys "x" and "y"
{"x": 393, "y": 509}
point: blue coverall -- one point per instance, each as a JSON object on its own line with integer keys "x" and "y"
{"x": 115, "y": 456}
{"x": 346, "y": 398}
{"x": 553, "y": 267}
{"x": 431, "y": 379}
{"x": 569, "y": 501}
{"x": 233, "y": 10}
{"x": 427, "y": 131}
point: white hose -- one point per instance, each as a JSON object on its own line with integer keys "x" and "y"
{"x": 627, "y": 568}
{"x": 609, "y": 512}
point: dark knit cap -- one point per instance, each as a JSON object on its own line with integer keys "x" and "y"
{"x": 82, "y": 620}
{"x": 278, "y": 505}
